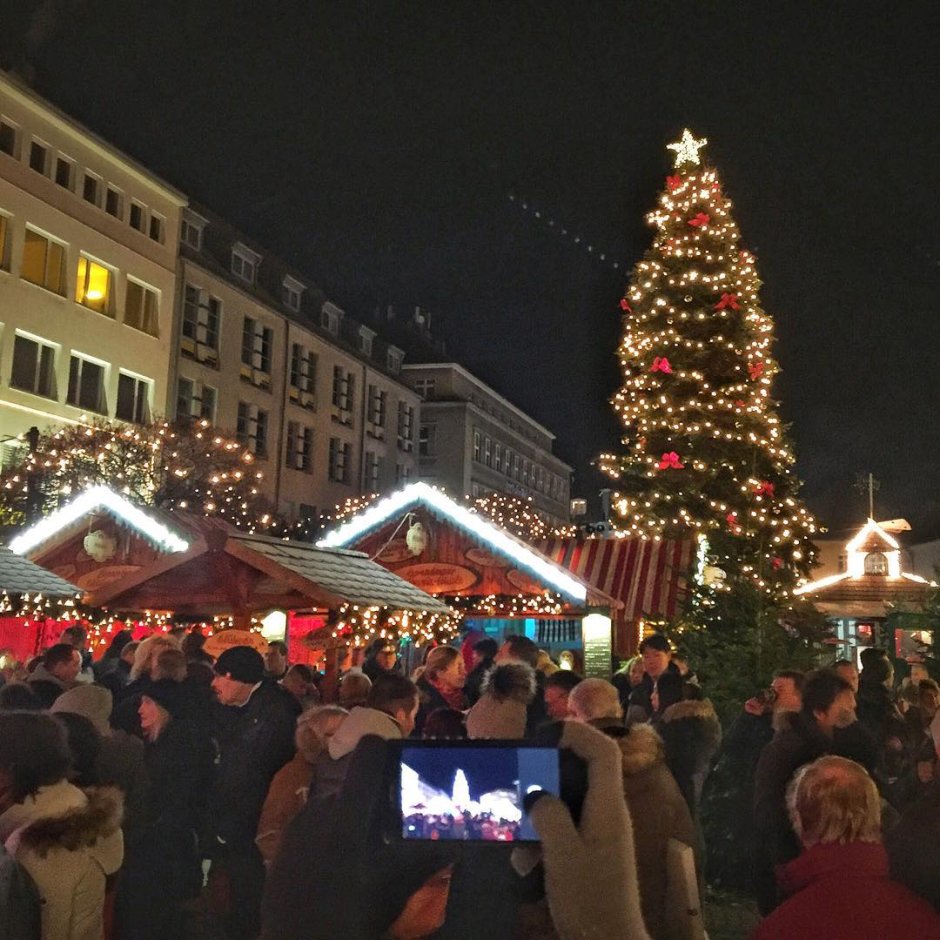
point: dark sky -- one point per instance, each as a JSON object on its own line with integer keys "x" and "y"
{"x": 377, "y": 145}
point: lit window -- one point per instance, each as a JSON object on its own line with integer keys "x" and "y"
{"x": 7, "y": 138}
{"x": 299, "y": 446}
{"x": 114, "y": 202}
{"x": 33, "y": 367}
{"x": 252, "y": 428}
{"x": 86, "y": 385}
{"x": 140, "y": 308}
{"x": 876, "y": 563}
{"x": 43, "y": 262}
{"x": 93, "y": 286}
{"x": 91, "y": 187}
{"x": 63, "y": 172}
{"x": 133, "y": 399}
{"x": 39, "y": 157}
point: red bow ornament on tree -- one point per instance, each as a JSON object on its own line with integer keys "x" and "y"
{"x": 777, "y": 563}
{"x": 732, "y": 520}
{"x": 624, "y": 306}
{"x": 670, "y": 461}
{"x": 673, "y": 182}
{"x": 661, "y": 364}
{"x": 728, "y": 300}
{"x": 700, "y": 220}
{"x": 764, "y": 488}
{"x": 755, "y": 370}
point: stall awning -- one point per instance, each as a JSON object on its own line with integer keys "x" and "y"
{"x": 647, "y": 577}
{"x": 19, "y": 575}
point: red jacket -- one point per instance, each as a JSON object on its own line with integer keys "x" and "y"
{"x": 843, "y": 892}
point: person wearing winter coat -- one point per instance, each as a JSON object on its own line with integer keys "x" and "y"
{"x": 57, "y": 672}
{"x": 656, "y": 805}
{"x": 441, "y": 684}
{"x": 691, "y": 733}
{"x": 20, "y": 917}
{"x": 502, "y": 710}
{"x": 68, "y": 840}
{"x": 828, "y": 705}
{"x": 291, "y": 784}
{"x": 880, "y": 717}
{"x": 516, "y": 648}
{"x": 162, "y": 868}
{"x": 914, "y": 846}
{"x": 840, "y": 886}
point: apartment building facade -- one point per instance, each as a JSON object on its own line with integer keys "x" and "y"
{"x": 262, "y": 353}
{"x": 473, "y": 442}
{"x": 88, "y": 247}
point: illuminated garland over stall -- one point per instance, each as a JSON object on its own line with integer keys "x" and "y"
{"x": 548, "y": 604}
{"x": 706, "y": 453}
{"x": 359, "y": 625}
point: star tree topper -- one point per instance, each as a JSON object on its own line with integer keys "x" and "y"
{"x": 687, "y": 148}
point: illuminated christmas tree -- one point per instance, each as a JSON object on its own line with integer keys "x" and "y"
{"x": 706, "y": 454}
{"x": 189, "y": 466}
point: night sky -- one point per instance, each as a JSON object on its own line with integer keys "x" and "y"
{"x": 388, "y": 148}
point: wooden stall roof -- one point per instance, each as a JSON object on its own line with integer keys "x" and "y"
{"x": 19, "y": 575}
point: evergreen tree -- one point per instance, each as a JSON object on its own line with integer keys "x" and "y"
{"x": 706, "y": 454}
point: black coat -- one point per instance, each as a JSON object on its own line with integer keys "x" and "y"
{"x": 472, "y": 687}
{"x": 691, "y": 734}
{"x": 254, "y": 741}
{"x": 429, "y": 700}
{"x": 914, "y": 847}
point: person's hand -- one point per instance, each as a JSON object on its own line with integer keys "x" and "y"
{"x": 754, "y": 706}
{"x": 590, "y": 869}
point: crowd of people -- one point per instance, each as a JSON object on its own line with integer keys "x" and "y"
{"x": 161, "y": 793}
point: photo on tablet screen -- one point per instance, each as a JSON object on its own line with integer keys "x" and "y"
{"x": 472, "y": 793}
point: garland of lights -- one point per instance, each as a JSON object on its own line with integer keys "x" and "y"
{"x": 706, "y": 451}
{"x": 510, "y": 605}
{"x": 359, "y": 625}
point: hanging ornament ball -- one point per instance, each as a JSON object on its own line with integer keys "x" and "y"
{"x": 688, "y": 298}
{"x": 416, "y": 538}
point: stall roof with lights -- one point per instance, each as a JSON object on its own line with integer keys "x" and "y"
{"x": 486, "y": 560}
{"x": 873, "y": 583}
{"x": 128, "y": 558}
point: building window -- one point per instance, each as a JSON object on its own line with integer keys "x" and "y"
{"x": 202, "y": 318}
{"x": 303, "y": 370}
{"x": 299, "y": 446}
{"x": 376, "y": 411}
{"x": 498, "y": 457}
{"x": 7, "y": 138}
{"x": 366, "y": 336}
{"x": 86, "y": 385}
{"x": 157, "y": 228}
{"x": 33, "y": 366}
{"x": 342, "y": 395}
{"x": 133, "y": 398}
{"x": 507, "y": 462}
{"x": 141, "y": 308}
{"x": 91, "y": 189}
{"x": 245, "y": 263}
{"x": 393, "y": 360}
{"x": 195, "y": 400}
{"x": 252, "y": 428}
{"x": 114, "y": 202}
{"x": 43, "y": 262}
{"x": 64, "y": 172}
{"x": 477, "y": 445}
{"x": 427, "y": 440}
{"x": 329, "y": 318}
{"x": 4, "y": 243}
{"x": 424, "y": 387}
{"x": 402, "y": 473}
{"x": 515, "y": 467}
{"x": 257, "y": 343}
{"x": 93, "y": 286}
{"x": 876, "y": 563}
{"x": 291, "y": 293}
{"x": 191, "y": 234}
{"x": 339, "y": 460}
{"x": 406, "y": 427}
{"x": 138, "y": 217}
{"x": 488, "y": 451}
{"x": 373, "y": 470}
{"x": 39, "y": 157}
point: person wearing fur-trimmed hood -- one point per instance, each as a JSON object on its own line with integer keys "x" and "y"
{"x": 502, "y": 708}
{"x": 68, "y": 840}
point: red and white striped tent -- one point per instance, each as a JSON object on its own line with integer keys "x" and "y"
{"x": 648, "y": 577}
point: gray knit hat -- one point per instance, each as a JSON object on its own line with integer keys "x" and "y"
{"x": 93, "y": 702}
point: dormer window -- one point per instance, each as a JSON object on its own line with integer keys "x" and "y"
{"x": 245, "y": 263}
{"x": 394, "y": 359}
{"x": 876, "y": 563}
{"x": 292, "y": 291}
{"x": 365, "y": 340}
{"x": 191, "y": 230}
{"x": 330, "y": 317}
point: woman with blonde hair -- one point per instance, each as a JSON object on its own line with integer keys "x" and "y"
{"x": 441, "y": 684}
{"x": 291, "y": 784}
{"x": 125, "y": 715}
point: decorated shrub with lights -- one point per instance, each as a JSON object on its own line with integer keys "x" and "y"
{"x": 704, "y": 452}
